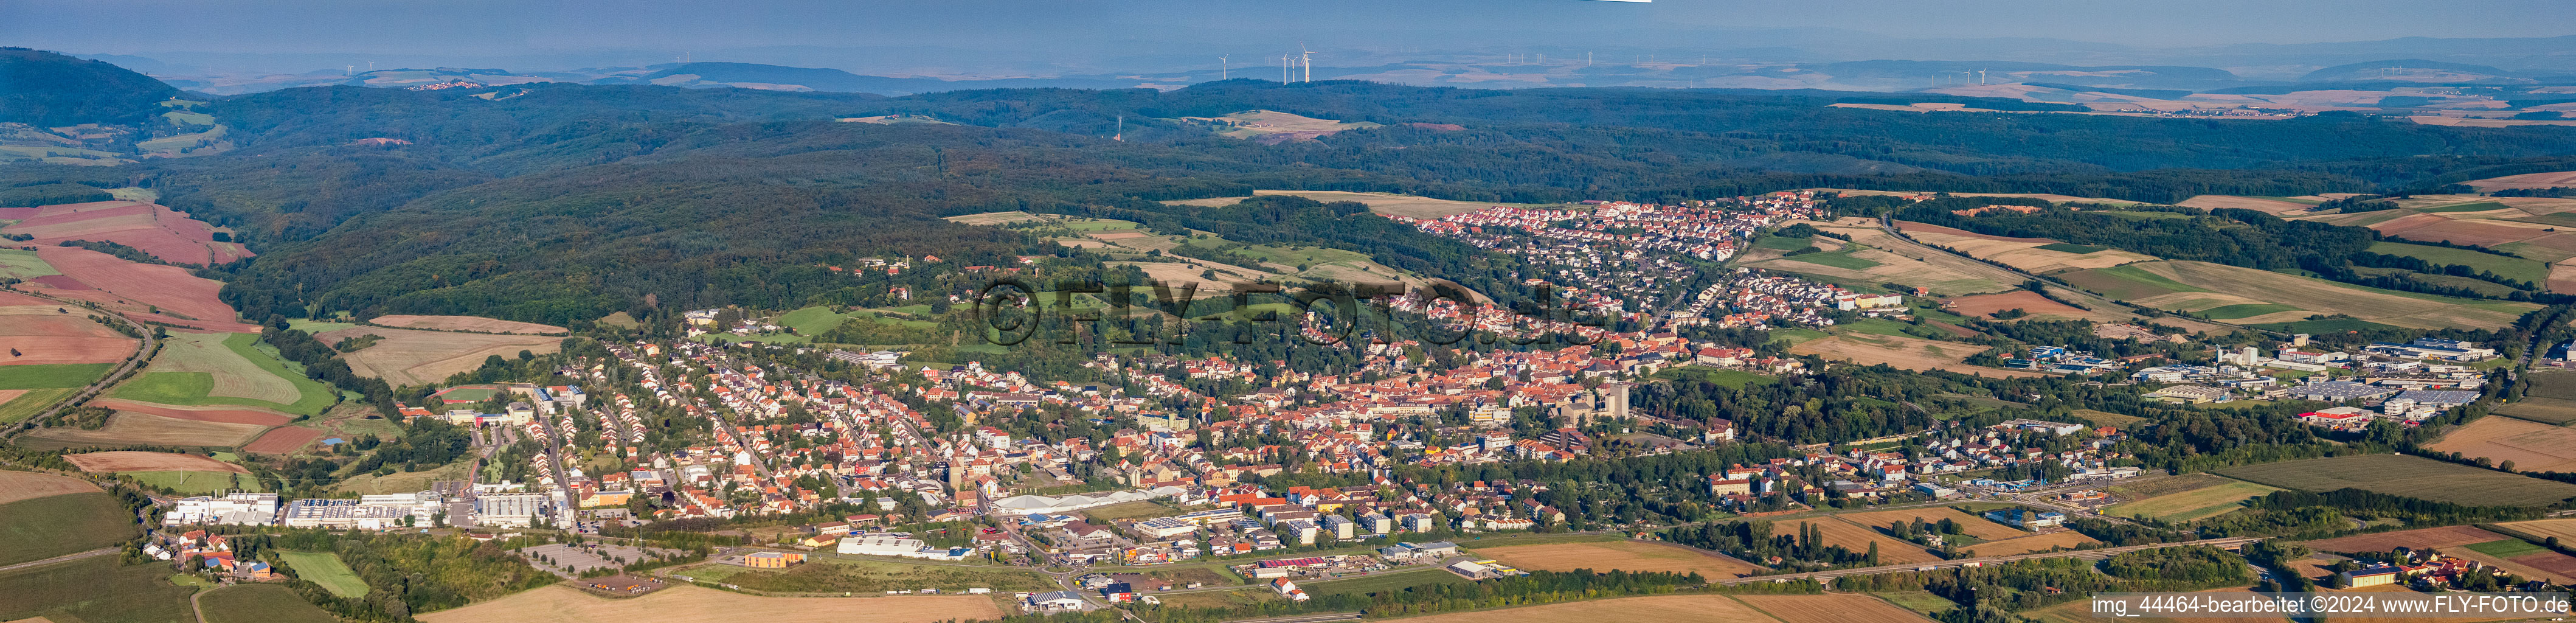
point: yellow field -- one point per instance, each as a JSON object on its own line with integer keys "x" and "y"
{"x": 691, "y": 604}
{"x": 1904, "y": 352}
{"x": 2027, "y": 255}
{"x": 992, "y": 218}
{"x": 408, "y": 357}
{"x": 1835, "y": 608}
{"x": 1972, "y": 525}
{"x": 1620, "y": 555}
{"x": 2032, "y": 543}
{"x": 15, "y": 486}
{"x": 1656, "y": 609}
{"x": 2275, "y": 206}
{"x": 1858, "y": 539}
{"x": 2564, "y": 529}
{"x": 2531, "y": 446}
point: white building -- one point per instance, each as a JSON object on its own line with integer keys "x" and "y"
{"x": 244, "y": 509}
{"x": 342, "y": 515}
{"x": 515, "y": 510}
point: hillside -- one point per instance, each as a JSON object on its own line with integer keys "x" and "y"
{"x": 47, "y": 89}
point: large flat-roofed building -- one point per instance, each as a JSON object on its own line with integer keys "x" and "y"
{"x": 880, "y": 546}
{"x": 252, "y": 509}
{"x": 512, "y": 510}
{"x": 342, "y": 515}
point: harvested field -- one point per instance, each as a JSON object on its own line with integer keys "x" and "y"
{"x": 128, "y": 428}
{"x": 2531, "y": 446}
{"x": 1858, "y": 539}
{"x": 466, "y": 323}
{"x": 1620, "y": 555}
{"x": 2202, "y": 286}
{"x": 2526, "y": 180}
{"x": 2275, "y": 206}
{"x": 167, "y": 234}
{"x": 1836, "y": 608}
{"x": 40, "y": 335}
{"x": 15, "y": 486}
{"x": 2036, "y": 255}
{"x": 2537, "y": 563}
{"x": 2196, "y": 504}
{"x": 408, "y": 357}
{"x": 2409, "y": 476}
{"x": 2040, "y": 307}
{"x": 233, "y": 415}
{"x": 1655, "y": 609}
{"x": 2447, "y": 538}
{"x": 2485, "y": 233}
{"x": 232, "y": 374}
{"x": 2080, "y": 611}
{"x": 1909, "y": 353}
{"x": 283, "y": 440}
{"x": 691, "y": 604}
{"x": 1911, "y": 227}
{"x": 131, "y": 461}
{"x": 2032, "y": 543}
{"x": 136, "y": 290}
{"x": 2564, "y": 529}
{"x": 1972, "y": 525}
{"x": 992, "y": 218}
{"x": 1902, "y": 261}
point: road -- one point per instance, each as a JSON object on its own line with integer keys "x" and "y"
{"x": 2090, "y": 554}
{"x": 63, "y": 558}
{"x": 93, "y": 389}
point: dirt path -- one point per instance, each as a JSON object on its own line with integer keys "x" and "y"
{"x": 62, "y": 558}
{"x": 197, "y": 606}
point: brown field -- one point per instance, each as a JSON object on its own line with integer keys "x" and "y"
{"x": 1656, "y": 609}
{"x": 130, "y": 461}
{"x": 15, "y": 486}
{"x": 2551, "y": 566}
{"x": 2444, "y": 537}
{"x": 2040, "y": 307}
{"x": 1973, "y": 525}
{"x": 1902, "y": 261}
{"x": 135, "y": 290}
{"x": 2032, "y": 543}
{"x": 2021, "y": 253}
{"x": 128, "y": 428}
{"x": 407, "y": 357}
{"x": 691, "y": 604}
{"x": 283, "y": 440}
{"x": 1621, "y": 555}
{"x": 466, "y": 323}
{"x": 42, "y": 335}
{"x": 2531, "y": 446}
{"x": 2231, "y": 285}
{"x": 1389, "y": 203}
{"x": 165, "y": 233}
{"x": 2542, "y": 529}
{"x": 234, "y": 415}
{"x": 2526, "y": 180}
{"x": 1904, "y": 352}
{"x": 1836, "y": 608}
{"x": 2214, "y": 202}
{"x": 1855, "y": 538}
{"x": 2482, "y": 232}
{"x": 2562, "y": 277}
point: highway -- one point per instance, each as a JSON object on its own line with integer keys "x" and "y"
{"x": 2089, "y": 554}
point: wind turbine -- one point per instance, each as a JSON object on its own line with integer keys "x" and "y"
{"x": 1306, "y": 58}
{"x": 1224, "y": 68}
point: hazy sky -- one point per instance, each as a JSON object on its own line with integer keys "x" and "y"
{"x": 519, "y": 28}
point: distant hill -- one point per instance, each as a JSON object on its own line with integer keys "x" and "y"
{"x": 2408, "y": 70}
{"x": 783, "y": 78}
{"x": 49, "y": 89}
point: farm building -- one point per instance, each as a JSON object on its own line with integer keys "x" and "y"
{"x": 2374, "y": 576}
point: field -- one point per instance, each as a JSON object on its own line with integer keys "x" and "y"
{"x": 132, "y": 461}
{"x": 42, "y": 335}
{"x": 260, "y": 603}
{"x": 2205, "y": 287}
{"x": 2408, "y": 476}
{"x": 129, "y": 428}
{"x": 2080, "y": 611}
{"x": 1840, "y": 608}
{"x": 53, "y": 375}
{"x": 20, "y": 404}
{"x": 408, "y": 357}
{"x": 1128, "y": 510}
{"x": 1972, "y": 525}
{"x": 691, "y": 604}
{"x": 2035, "y": 255}
{"x": 325, "y": 569}
{"x": 1396, "y": 205}
{"x": 1921, "y": 602}
{"x": 2446, "y": 538}
{"x": 197, "y": 483}
{"x": 15, "y": 486}
{"x": 23, "y": 264}
{"x": 2260, "y": 204}
{"x": 2032, "y": 543}
{"x": 2564, "y": 529}
{"x": 2504, "y": 266}
{"x": 2531, "y": 446}
{"x": 283, "y": 440}
{"x": 1383, "y": 582}
{"x": 1858, "y": 539}
{"x": 1910, "y": 353}
{"x": 466, "y": 323}
{"x": 203, "y": 369}
{"x": 993, "y": 218}
{"x": 1620, "y": 555}
{"x": 2040, "y": 307}
{"x": 1655, "y": 609}
{"x": 95, "y": 590}
{"x": 1737, "y": 379}
{"x": 203, "y": 414}
{"x": 834, "y": 573}
{"x": 167, "y": 234}
{"x": 55, "y": 525}
{"x": 1270, "y": 127}
{"x": 143, "y": 292}
{"x": 1894, "y": 260}
{"x": 2214, "y": 499}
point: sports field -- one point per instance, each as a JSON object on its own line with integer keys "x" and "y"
{"x": 691, "y": 604}
{"x": 1837, "y": 608}
{"x": 2531, "y": 446}
{"x": 2244, "y": 293}
{"x": 325, "y": 569}
{"x": 1655, "y": 609}
{"x": 1623, "y": 556}
{"x": 95, "y": 590}
{"x": 260, "y": 603}
{"x": 2218, "y": 498}
{"x": 54, "y": 525}
{"x": 202, "y": 369}
{"x": 2407, "y": 476}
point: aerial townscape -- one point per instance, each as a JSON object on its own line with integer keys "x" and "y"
{"x": 1635, "y": 328}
